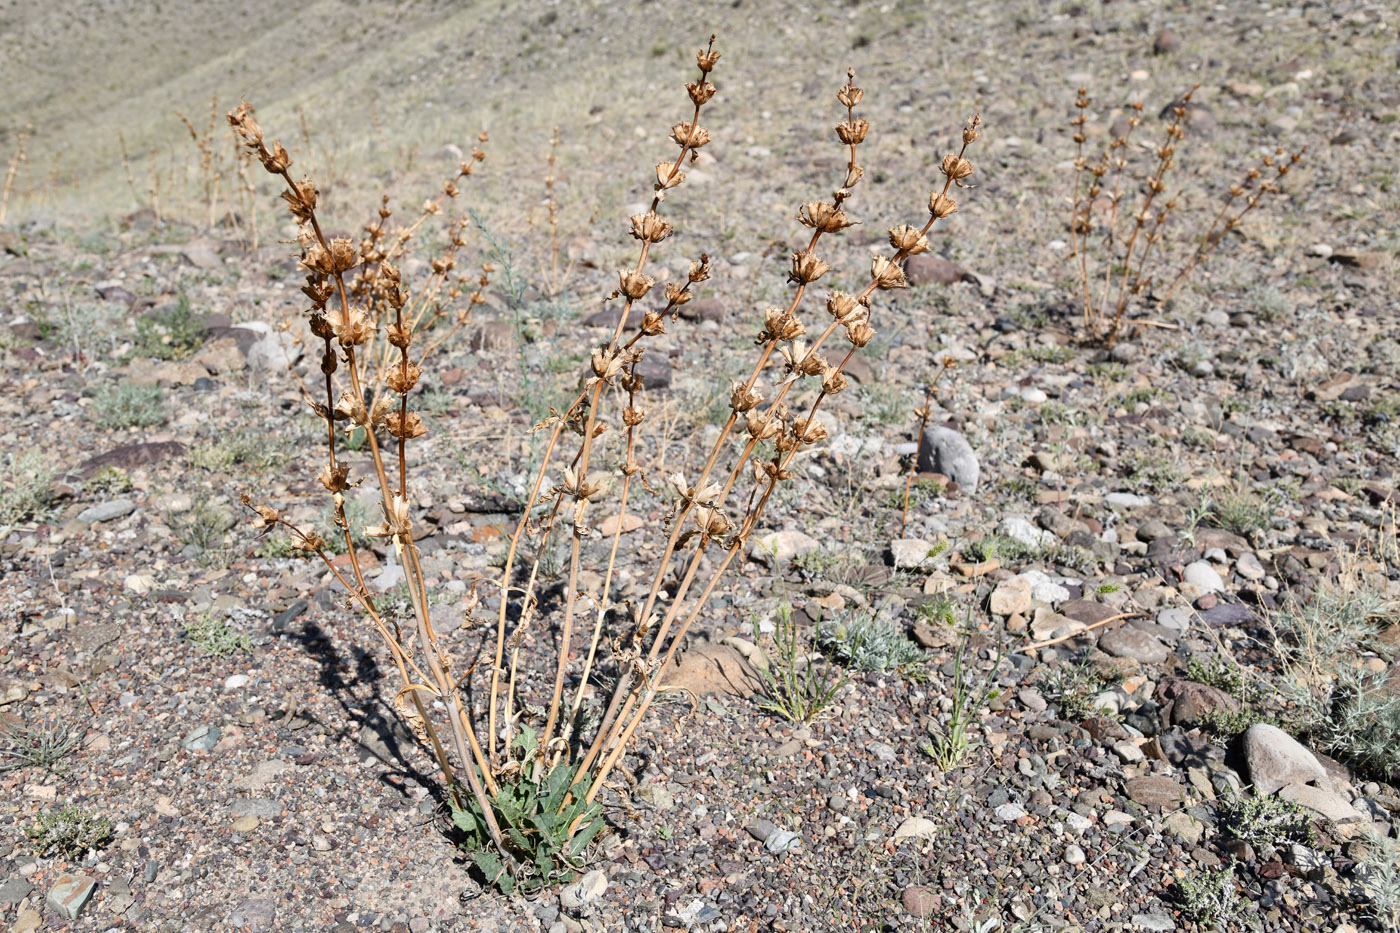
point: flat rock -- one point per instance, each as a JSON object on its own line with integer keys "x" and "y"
{"x": 780, "y": 548}
{"x": 1275, "y": 759}
{"x": 1223, "y": 615}
{"x": 1153, "y": 789}
{"x": 131, "y": 456}
{"x": 255, "y": 913}
{"x": 1128, "y": 642}
{"x": 1012, "y": 596}
{"x": 70, "y": 894}
{"x": 916, "y": 827}
{"x": 1333, "y": 806}
{"x": 908, "y": 553}
{"x": 712, "y": 668}
{"x": 107, "y": 511}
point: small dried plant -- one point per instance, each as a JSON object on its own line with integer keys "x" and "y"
{"x": 18, "y": 160}
{"x": 205, "y": 142}
{"x": 1120, "y": 210}
{"x": 523, "y": 764}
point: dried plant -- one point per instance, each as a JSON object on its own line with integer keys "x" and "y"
{"x": 17, "y": 161}
{"x": 551, "y": 204}
{"x": 522, "y": 775}
{"x": 208, "y": 161}
{"x": 1120, "y": 211}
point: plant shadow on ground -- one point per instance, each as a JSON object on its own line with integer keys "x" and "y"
{"x": 369, "y": 722}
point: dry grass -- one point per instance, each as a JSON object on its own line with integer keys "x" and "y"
{"x": 536, "y": 755}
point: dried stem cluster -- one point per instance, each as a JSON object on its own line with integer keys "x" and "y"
{"x": 17, "y": 161}
{"x": 371, "y": 326}
{"x": 1125, "y": 216}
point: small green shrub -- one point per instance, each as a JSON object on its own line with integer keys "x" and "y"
{"x": 1363, "y": 724}
{"x": 211, "y": 633}
{"x": 1208, "y": 897}
{"x": 127, "y": 405}
{"x": 861, "y": 640}
{"x": 1378, "y": 881}
{"x": 70, "y": 832}
{"x": 245, "y": 450}
{"x": 205, "y": 529}
{"x": 1073, "y": 685}
{"x": 172, "y": 333}
{"x": 1259, "y": 819}
{"x": 940, "y": 610}
{"x": 26, "y": 488}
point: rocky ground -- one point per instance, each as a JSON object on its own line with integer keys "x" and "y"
{"x": 1136, "y": 574}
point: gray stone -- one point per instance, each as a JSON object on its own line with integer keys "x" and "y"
{"x": 1129, "y": 642}
{"x": 70, "y": 894}
{"x": 1154, "y": 789}
{"x": 1178, "y": 620}
{"x": 909, "y": 553}
{"x": 784, "y": 840}
{"x": 781, "y": 547}
{"x": 1203, "y": 576}
{"x": 201, "y": 738}
{"x": 948, "y": 452}
{"x": 656, "y": 795}
{"x": 15, "y": 890}
{"x": 1158, "y": 922}
{"x": 1031, "y": 700}
{"x": 1022, "y": 530}
{"x": 588, "y": 888}
{"x": 919, "y": 900}
{"x": 1185, "y": 827}
{"x": 1333, "y": 806}
{"x": 1010, "y": 812}
{"x": 1275, "y": 759}
{"x": 255, "y": 913}
{"x": 1074, "y": 855}
{"x": 107, "y": 511}
{"x": 1126, "y": 501}
{"x": 1249, "y": 567}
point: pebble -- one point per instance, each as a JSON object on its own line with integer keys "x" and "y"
{"x": 916, "y": 827}
{"x": 107, "y": 511}
{"x": 588, "y": 888}
{"x": 780, "y": 548}
{"x": 1012, "y": 596}
{"x": 1202, "y": 575}
{"x": 1010, "y": 812}
{"x": 201, "y": 738}
{"x": 237, "y": 682}
{"x": 1129, "y": 642}
{"x": 1074, "y": 855}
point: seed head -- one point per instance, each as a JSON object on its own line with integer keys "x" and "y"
{"x": 834, "y": 381}
{"x": 743, "y": 398}
{"x": 828, "y": 218}
{"x": 807, "y": 267}
{"x": 853, "y": 131}
{"x": 690, "y": 135}
{"x": 940, "y": 205}
{"x": 649, "y": 227}
{"x": 350, "y": 325}
{"x": 887, "y": 274}
{"x": 956, "y": 168}
{"x": 707, "y": 57}
{"x": 634, "y": 284}
{"x": 908, "y": 240}
{"x": 401, "y": 379}
{"x": 859, "y": 333}
{"x": 843, "y": 307}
